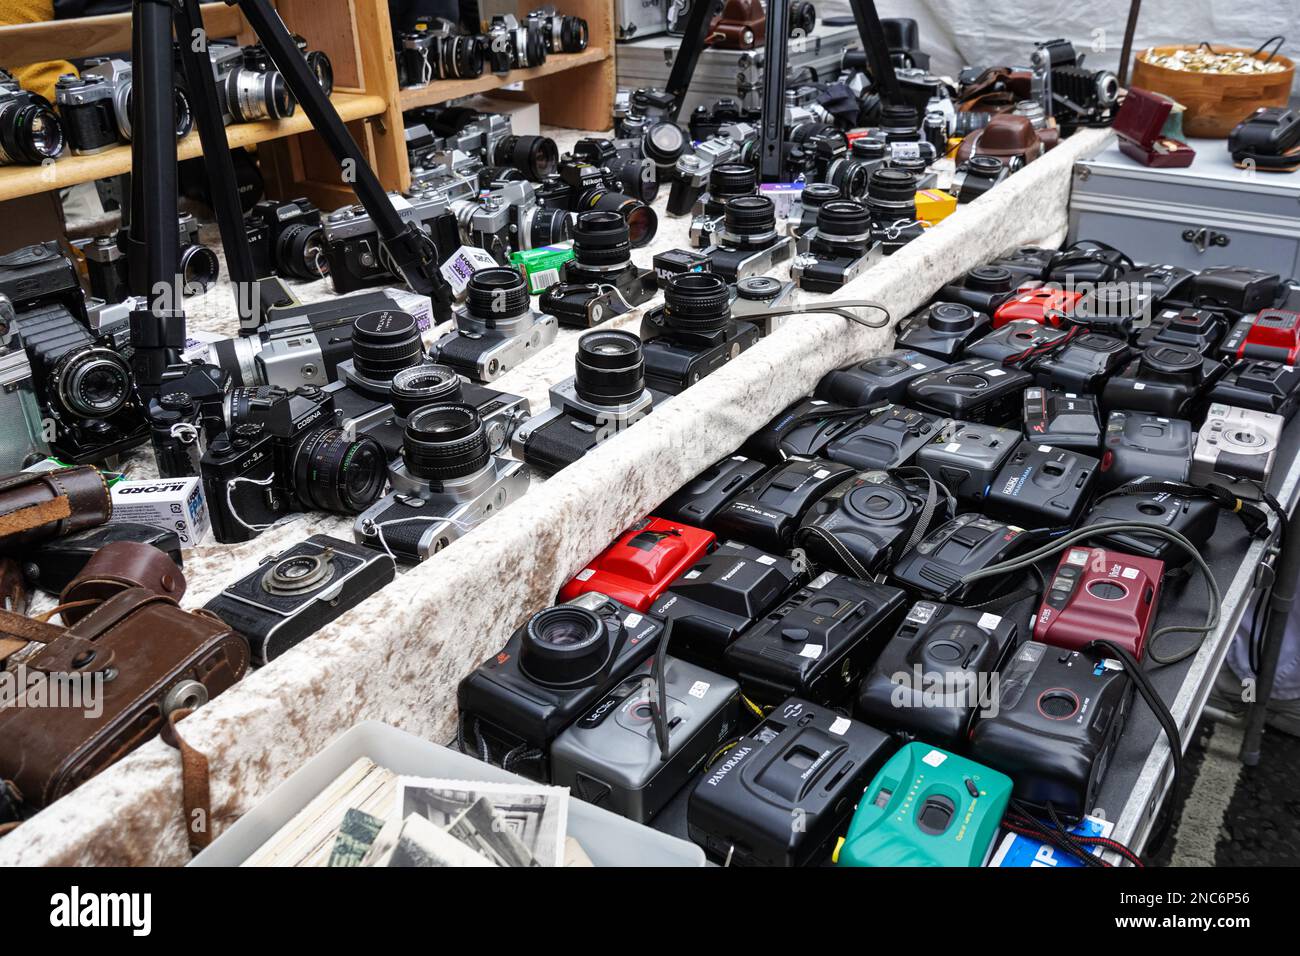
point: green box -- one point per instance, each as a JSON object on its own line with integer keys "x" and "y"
{"x": 541, "y": 266}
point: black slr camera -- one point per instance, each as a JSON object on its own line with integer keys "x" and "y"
{"x": 437, "y": 50}
{"x": 563, "y": 33}
{"x": 942, "y": 329}
{"x": 550, "y": 672}
{"x": 286, "y": 239}
{"x": 83, "y": 377}
{"x": 693, "y": 333}
{"x": 96, "y": 106}
{"x": 30, "y": 131}
{"x": 283, "y": 452}
{"x": 836, "y": 250}
{"x": 580, "y": 187}
{"x": 600, "y": 281}
{"x": 606, "y": 394}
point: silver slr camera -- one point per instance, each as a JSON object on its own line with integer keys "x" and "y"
{"x": 497, "y": 327}
{"x": 1236, "y": 449}
{"x": 446, "y": 482}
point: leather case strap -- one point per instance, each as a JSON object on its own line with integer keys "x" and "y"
{"x": 47, "y": 504}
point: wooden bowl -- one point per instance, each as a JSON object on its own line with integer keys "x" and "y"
{"x": 1216, "y": 102}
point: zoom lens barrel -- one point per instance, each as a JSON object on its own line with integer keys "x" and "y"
{"x": 697, "y": 302}
{"x": 601, "y": 239}
{"x": 844, "y": 221}
{"x": 535, "y": 156}
{"x": 610, "y": 368}
{"x": 30, "y": 132}
{"x": 384, "y": 343}
{"x": 496, "y": 294}
{"x": 335, "y": 473}
{"x": 424, "y": 384}
{"x": 749, "y": 220}
{"x": 564, "y": 645}
{"x": 445, "y": 441}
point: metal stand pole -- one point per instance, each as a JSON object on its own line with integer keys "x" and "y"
{"x": 1281, "y": 598}
{"x": 771, "y": 157}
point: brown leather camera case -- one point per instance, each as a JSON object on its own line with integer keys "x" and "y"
{"x": 154, "y": 658}
{"x": 37, "y": 506}
{"x": 742, "y": 25}
{"x": 116, "y": 567}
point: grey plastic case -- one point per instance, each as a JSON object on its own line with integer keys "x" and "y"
{"x": 967, "y": 457}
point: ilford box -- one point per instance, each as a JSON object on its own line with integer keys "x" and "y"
{"x": 175, "y": 504}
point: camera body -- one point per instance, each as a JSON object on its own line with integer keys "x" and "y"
{"x": 642, "y": 562}
{"x": 881, "y": 379}
{"x": 610, "y": 756}
{"x": 984, "y": 288}
{"x": 862, "y": 525}
{"x": 1272, "y": 334}
{"x": 1048, "y": 304}
{"x": 942, "y": 330}
{"x": 930, "y": 679}
{"x": 1236, "y": 448}
{"x": 1260, "y": 385}
{"x": 31, "y": 133}
{"x": 249, "y": 87}
{"x": 1061, "y": 419}
{"x": 81, "y": 374}
{"x": 294, "y": 240}
{"x": 967, "y": 457}
{"x": 693, "y": 333}
{"x": 1236, "y": 290}
{"x": 1097, "y": 594}
{"x": 515, "y": 46}
{"x": 298, "y": 591}
{"x": 497, "y": 328}
{"x": 802, "y": 430}
{"x": 354, "y": 251}
{"x": 1199, "y": 328}
{"x": 23, "y": 443}
{"x": 1042, "y": 486}
{"x": 1194, "y": 518}
{"x": 837, "y": 250}
{"x": 1268, "y": 138}
{"x": 803, "y": 762}
{"x": 699, "y": 500}
{"x": 973, "y": 390}
{"x": 723, "y": 594}
{"x": 927, "y": 807}
{"x": 1083, "y": 365}
{"x": 554, "y": 669}
{"x": 1169, "y": 380}
{"x": 767, "y": 512}
{"x": 747, "y": 242}
{"x": 1139, "y": 444}
{"x": 889, "y": 438}
{"x": 1015, "y": 339}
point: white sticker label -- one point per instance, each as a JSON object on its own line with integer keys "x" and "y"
{"x": 632, "y": 620}
{"x": 699, "y": 689}
{"x": 994, "y": 372}
{"x": 820, "y": 473}
{"x": 934, "y": 758}
{"x": 1129, "y": 573}
{"x": 1138, "y": 386}
{"x": 952, "y": 446}
{"x": 462, "y": 265}
{"x": 989, "y": 621}
{"x": 1044, "y": 448}
{"x": 585, "y": 574}
{"x": 823, "y": 579}
{"x": 765, "y": 559}
{"x": 1078, "y": 557}
{"x": 692, "y": 575}
{"x": 919, "y": 366}
{"x": 813, "y": 651}
{"x": 839, "y": 725}
{"x": 817, "y": 401}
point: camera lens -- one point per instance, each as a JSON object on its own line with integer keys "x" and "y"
{"x": 300, "y": 251}
{"x": 758, "y": 288}
{"x": 951, "y": 317}
{"x": 535, "y": 44}
{"x": 989, "y": 279}
{"x": 732, "y": 179}
{"x": 30, "y": 132}
{"x": 545, "y": 227}
{"x": 467, "y": 57}
{"x": 663, "y": 143}
{"x": 537, "y": 156}
{"x": 697, "y": 302}
{"x": 1172, "y": 359}
{"x": 335, "y": 473}
{"x": 602, "y": 239}
{"x": 199, "y": 267}
{"x": 851, "y": 178}
{"x": 255, "y": 95}
{"x": 184, "y": 115}
{"x": 497, "y": 294}
{"x": 900, "y": 123}
{"x": 867, "y": 148}
{"x": 92, "y": 383}
{"x": 424, "y": 384}
{"x": 574, "y": 34}
{"x": 990, "y": 166}
{"x": 298, "y": 574}
{"x": 610, "y": 368}
{"x": 445, "y": 441}
{"x": 384, "y": 343}
{"x": 750, "y": 220}
{"x": 843, "y": 220}
{"x": 642, "y": 223}
{"x": 892, "y": 189}
{"x": 321, "y": 67}
{"x": 814, "y": 195}
{"x": 564, "y": 645}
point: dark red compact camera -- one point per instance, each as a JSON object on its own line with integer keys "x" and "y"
{"x": 1100, "y": 595}
{"x": 1046, "y": 304}
{"x": 1271, "y": 334}
{"x": 640, "y": 565}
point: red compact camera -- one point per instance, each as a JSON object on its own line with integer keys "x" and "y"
{"x": 640, "y": 565}
{"x": 1271, "y": 334}
{"x": 1046, "y": 304}
{"x": 1098, "y": 594}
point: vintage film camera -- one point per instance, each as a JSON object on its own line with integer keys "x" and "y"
{"x": 446, "y": 482}
{"x": 1084, "y": 364}
{"x": 297, "y": 592}
{"x": 888, "y": 439}
{"x": 1260, "y": 385}
{"x": 802, "y": 430}
{"x": 966, "y": 457}
{"x": 563, "y": 33}
{"x": 927, "y": 807}
{"x": 642, "y": 562}
{"x": 81, "y": 373}
{"x": 875, "y": 380}
{"x": 1139, "y": 444}
{"x": 554, "y": 669}
{"x": 1042, "y": 487}
{"x": 1236, "y": 449}
{"x": 977, "y": 176}
{"x": 1199, "y": 328}
{"x": 983, "y": 288}
{"x": 600, "y": 281}
{"x": 1169, "y": 380}
{"x": 438, "y": 50}
{"x": 354, "y": 253}
{"x": 1061, "y": 419}
{"x": 725, "y": 180}
{"x": 249, "y": 87}
{"x": 891, "y": 201}
{"x": 699, "y": 500}
{"x": 1059, "y": 715}
{"x": 497, "y": 329}
{"x": 290, "y": 239}
{"x": 836, "y": 250}
{"x": 30, "y": 130}
{"x": 606, "y": 394}
{"x": 282, "y": 452}
{"x": 803, "y": 762}
{"x": 929, "y": 680}
{"x": 580, "y": 187}
{"x": 516, "y": 46}
{"x": 803, "y": 214}
{"x": 817, "y": 643}
{"x": 865, "y": 523}
{"x": 747, "y": 243}
{"x": 973, "y": 390}
{"x": 770, "y": 508}
{"x": 1272, "y": 334}
{"x": 723, "y": 594}
{"x": 693, "y": 333}
{"x": 1016, "y": 340}
{"x": 611, "y": 756}
{"x": 1268, "y": 138}
{"x": 1097, "y": 594}
{"x": 23, "y": 442}
{"x": 942, "y": 330}
{"x": 96, "y": 106}
{"x": 1164, "y": 507}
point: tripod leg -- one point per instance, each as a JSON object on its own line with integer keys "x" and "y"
{"x": 771, "y": 161}
{"x": 413, "y": 251}
{"x": 158, "y": 331}
{"x": 873, "y": 44}
{"x": 688, "y": 54}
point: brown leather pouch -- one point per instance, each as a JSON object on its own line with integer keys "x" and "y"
{"x": 118, "y": 673}
{"x": 36, "y": 506}
{"x": 118, "y": 567}
{"x": 742, "y": 25}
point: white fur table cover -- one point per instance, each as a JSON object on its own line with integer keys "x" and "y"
{"x": 399, "y": 655}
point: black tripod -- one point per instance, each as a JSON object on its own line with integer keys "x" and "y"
{"x": 158, "y": 330}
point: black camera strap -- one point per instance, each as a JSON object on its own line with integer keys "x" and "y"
{"x": 660, "y": 703}
{"x": 1251, "y": 515}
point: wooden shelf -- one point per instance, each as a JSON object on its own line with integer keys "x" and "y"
{"x": 70, "y": 169}
{"x": 442, "y": 90}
